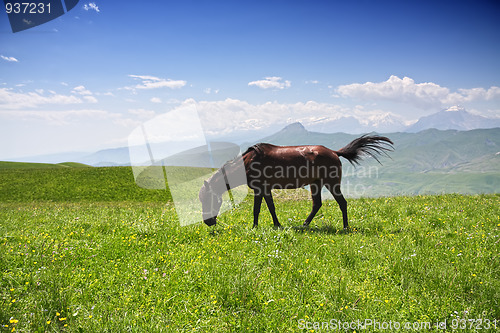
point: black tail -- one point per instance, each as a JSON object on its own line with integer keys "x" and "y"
{"x": 366, "y": 145}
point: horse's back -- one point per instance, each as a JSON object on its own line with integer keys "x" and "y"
{"x": 291, "y": 166}
{"x": 311, "y": 153}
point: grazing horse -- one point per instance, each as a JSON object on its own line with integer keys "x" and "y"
{"x": 270, "y": 167}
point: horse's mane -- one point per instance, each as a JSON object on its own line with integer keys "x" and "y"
{"x": 229, "y": 163}
{"x": 258, "y": 148}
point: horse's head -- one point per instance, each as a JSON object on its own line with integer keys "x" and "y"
{"x": 210, "y": 203}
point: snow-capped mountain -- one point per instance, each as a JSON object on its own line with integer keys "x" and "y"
{"x": 385, "y": 122}
{"x": 456, "y": 118}
{"x": 346, "y": 124}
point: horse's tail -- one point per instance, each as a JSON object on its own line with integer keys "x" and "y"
{"x": 371, "y": 145}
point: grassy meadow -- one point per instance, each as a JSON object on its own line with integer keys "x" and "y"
{"x": 86, "y": 250}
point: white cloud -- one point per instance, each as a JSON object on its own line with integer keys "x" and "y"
{"x": 91, "y": 6}
{"x": 152, "y": 82}
{"x": 86, "y": 94}
{"x": 16, "y": 100}
{"x": 59, "y": 117}
{"x": 81, "y": 90}
{"x": 10, "y": 59}
{"x": 81, "y": 117}
{"x": 425, "y": 95}
{"x": 479, "y": 93}
{"x": 208, "y": 91}
{"x": 142, "y": 113}
{"x": 493, "y": 93}
{"x": 108, "y": 93}
{"x": 155, "y": 100}
{"x": 239, "y": 117}
{"x": 90, "y": 99}
{"x": 271, "y": 82}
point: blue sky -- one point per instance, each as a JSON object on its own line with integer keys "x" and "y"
{"x": 84, "y": 81}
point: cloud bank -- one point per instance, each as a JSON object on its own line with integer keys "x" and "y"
{"x": 152, "y": 82}
{"x": 229, "y": 116}
{"x": 9, "y": 59}
{"x": 10, "y": 99}
{"x": 271, "y": 82}
{"x": 425, "y": 95}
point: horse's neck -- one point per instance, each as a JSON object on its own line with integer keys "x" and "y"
{"x": 231, "y": 175}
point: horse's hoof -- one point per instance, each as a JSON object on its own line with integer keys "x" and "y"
{"x": 300, "y": 228}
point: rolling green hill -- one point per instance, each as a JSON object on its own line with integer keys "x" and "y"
{"x": 86, "y": 250}
{"x": 73, "y": 165}
{"x": 27, "y": 165}
{"x": 24, "y": 165}
{"x": 73, "y": 183}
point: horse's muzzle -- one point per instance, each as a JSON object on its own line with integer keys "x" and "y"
{"x": 211, "y": 221}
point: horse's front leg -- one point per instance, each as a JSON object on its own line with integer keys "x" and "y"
{"x": 257, "y": 201}
{"x": 272, "y": 209}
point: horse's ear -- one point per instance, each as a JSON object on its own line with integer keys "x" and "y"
{"x": 205, "y": 183}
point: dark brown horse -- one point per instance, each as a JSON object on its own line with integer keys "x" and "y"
{"x": 270, "y": 167}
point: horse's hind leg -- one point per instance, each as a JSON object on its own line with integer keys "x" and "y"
{"x": 257, "y": 201}
{"x": 272, "y": 209}
{"x": 316, "y": 198}
{"x": 337, "y": 194}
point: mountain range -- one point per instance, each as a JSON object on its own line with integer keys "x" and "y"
{"x": 456, "y": 118}
{"x": 449, "y": 125}
{"x": 431, "y": 161}
{"x": 428, "y": 161}
{"x": 426, "y": 151}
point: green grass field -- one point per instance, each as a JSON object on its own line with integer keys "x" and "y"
{"x": 86, "y": 250}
